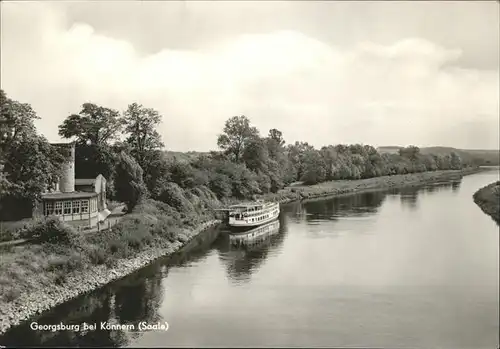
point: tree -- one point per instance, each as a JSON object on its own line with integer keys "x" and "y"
{"x": 129, "y": 183}
{"x": 156, "y": 172}
{"x": 92, "y": 160}
{"x": 314, "y": 168}
{"x": 94, "y": 125}
{"x": 236, "y": 135}
{"x": 255, "y": 155}
{"x": 30, "y": 167}
{"x": 329, "y": 155}
{"x": 411, "y": 152}
{"x": 16, "y": 122}
{"x": 29, "y": 163}
{"x": 276, "y": 136}
{"x": 455, "y": 161}
{"x": 297, "y": 156}
{"x": 275, "y": 142}
{"x": 140, "y": 125}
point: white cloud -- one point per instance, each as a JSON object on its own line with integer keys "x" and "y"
{"x": 407, "y": 92}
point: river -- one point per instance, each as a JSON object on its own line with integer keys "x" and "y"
{"x": 405, "y": 268}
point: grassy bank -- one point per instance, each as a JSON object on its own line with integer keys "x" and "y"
{"x": 61, "y": 264}
{"x": 488, "y": 199}
{"x": 345, "y": 187}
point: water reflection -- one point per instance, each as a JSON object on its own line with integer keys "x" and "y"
{"x": 243, "y": 259}
{"x": 353, "y": 205}
{"x": 409, "y": 197}
{"x": 139, "y": 297}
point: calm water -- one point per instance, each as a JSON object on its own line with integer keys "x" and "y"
{"x": 406, "y": 268}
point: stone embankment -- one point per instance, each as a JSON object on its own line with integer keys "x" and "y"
{"x": 348, "y": 187}
{"x": 36, "y": 302}
{"x": 488, "y": 199}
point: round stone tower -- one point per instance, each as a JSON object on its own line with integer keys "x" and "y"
{"x": 67, "y": 176}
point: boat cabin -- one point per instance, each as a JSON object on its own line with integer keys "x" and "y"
{"x": 253, "y": 213}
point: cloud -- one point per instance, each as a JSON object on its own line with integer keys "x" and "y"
{"x": 408, "y": 92}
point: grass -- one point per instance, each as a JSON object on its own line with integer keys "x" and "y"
{"x": 58, "y": 250}
{"x": 12, "y": 230}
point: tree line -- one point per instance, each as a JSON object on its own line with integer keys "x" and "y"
{"x": 126, "y": 148}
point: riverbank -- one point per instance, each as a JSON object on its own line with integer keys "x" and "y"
{"x": 36, "y": 300}
{"x": 488, "y": 199}
{"x": 347, "y": 187}
{"x": 151, "y": 233}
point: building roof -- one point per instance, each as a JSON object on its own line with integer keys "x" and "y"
{"x": 85, "y": 181}
{"x": 72, "y": 195}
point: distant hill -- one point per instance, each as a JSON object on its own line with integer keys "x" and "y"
{"x": 481, "y": 157}
{"x": 183, "y": 156}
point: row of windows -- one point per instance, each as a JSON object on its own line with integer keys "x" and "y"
{"x": 259, "y": 212}
{"x": 69, "y": 207}
{"x": 261, "y": 218}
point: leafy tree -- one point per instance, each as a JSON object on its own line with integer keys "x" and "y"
{"x": 29, "y": 163}
{"x": 236, "y": 135}
{"x": 330, "y": 156}
{"x": 297, "y": 155}
{"x": 140, "y": 125}
{"x": 411, "y": 152}
{"x": 255, "y": 155}
{"x": 314, "y": 168}
{"x": 276, "y": 136}
{"x": 129, "y": 183}
{"x": 94, "y": 125}
{"x": 455, "y": 161}
{"x": 221, "y": 185}
{"x": 275, "y": 143}
{"x": 29, "y": 169}
{"x": 156, "y": 172}
{"x": 184, "y": 175}
{"x": 276, "y": 174}
{"x": 92, "y": 160}
{"x": 16, "y": 123}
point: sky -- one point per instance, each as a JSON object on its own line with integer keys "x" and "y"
{"x": 379, "y": 73}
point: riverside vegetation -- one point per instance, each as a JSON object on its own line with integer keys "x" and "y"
{"x": 168, "y": 199}
{"x": 488, "y": 199}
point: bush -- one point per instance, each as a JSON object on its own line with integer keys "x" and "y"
{"x": 174, "y": 196}
{"x": 221, "y": 185}
{"x": 97, "y": 255}
{"x": 65, "y": 264}
{"x": 51, "y": 230}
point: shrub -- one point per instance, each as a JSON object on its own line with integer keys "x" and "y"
{"x": 220, "y": 184}
{"x": 174, "y": 196}
{"x": 128, "y": 181}
{"x": 97, "y": 255}
{"x": 64, "y": 264}
{"x": 51, "y": 230}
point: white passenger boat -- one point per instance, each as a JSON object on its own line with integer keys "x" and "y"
{"x": 255, "y": 235}
{"x": 253, "y": 214}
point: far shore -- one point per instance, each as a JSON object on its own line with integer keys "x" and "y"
{"x": 488, "y": 199}
{"x": 349, "y": 187}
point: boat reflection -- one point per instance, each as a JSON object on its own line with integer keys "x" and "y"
{"x": 254, "y": 236}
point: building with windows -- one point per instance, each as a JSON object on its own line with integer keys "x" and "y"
{"x": 79, "y": 202}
